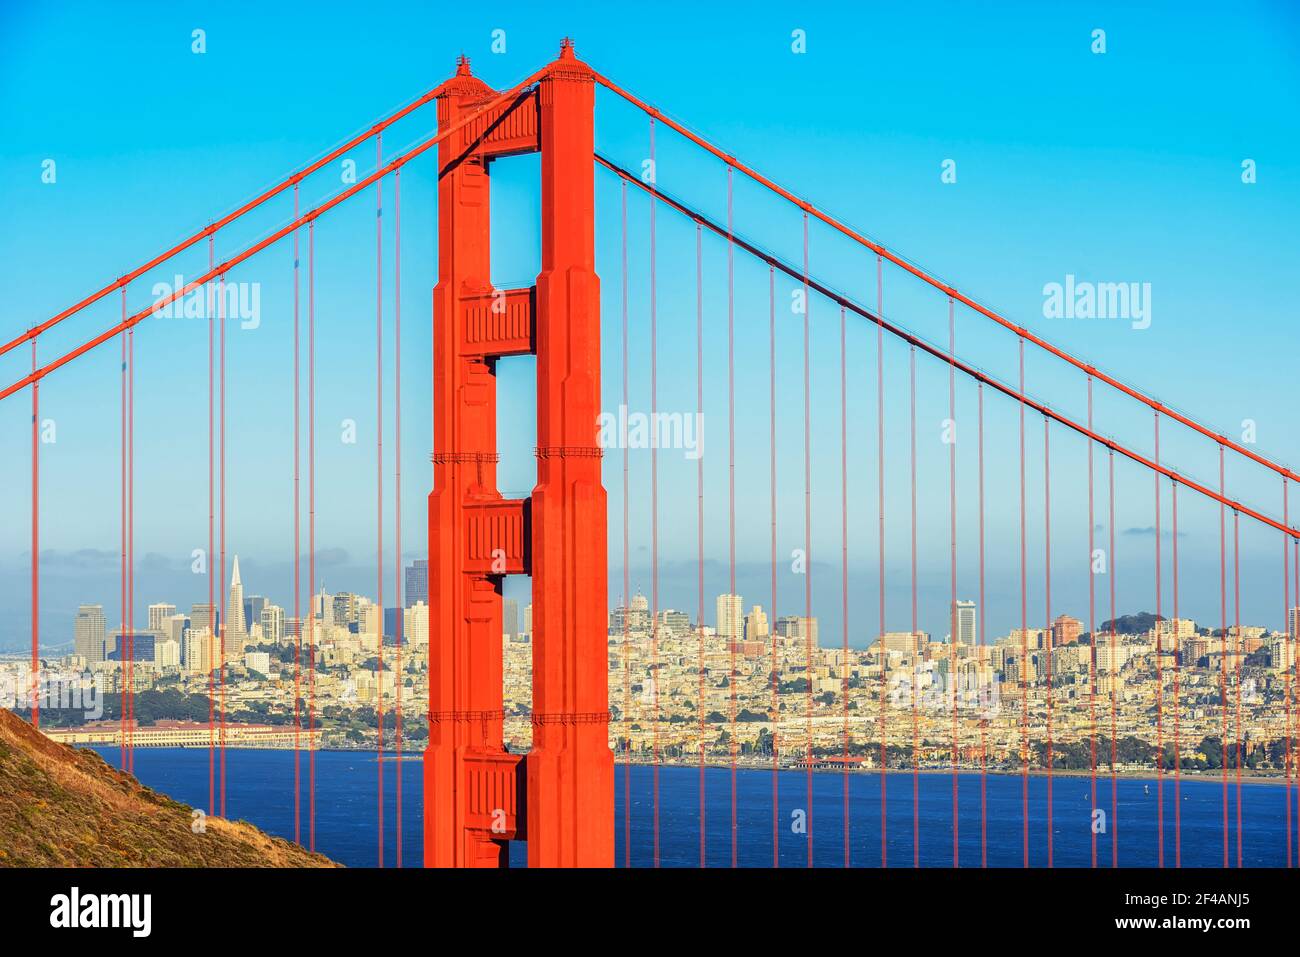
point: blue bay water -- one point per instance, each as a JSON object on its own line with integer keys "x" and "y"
{"x": 259, "y": 789}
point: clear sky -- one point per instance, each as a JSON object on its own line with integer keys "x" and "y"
{"x": 1122, "y": 166}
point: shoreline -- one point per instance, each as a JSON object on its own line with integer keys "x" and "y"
{"x": 1278, "y": 778}
{"x": 1247, "y": 777}
{"x": 1102, "y": 774}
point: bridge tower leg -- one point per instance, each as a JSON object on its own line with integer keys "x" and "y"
{"x": 570, "y": 768}
{"x": 477, "y": 796}
{"x": 465, "y": 669}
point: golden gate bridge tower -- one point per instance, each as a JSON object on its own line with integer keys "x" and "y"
{"x": 559, "y": 797}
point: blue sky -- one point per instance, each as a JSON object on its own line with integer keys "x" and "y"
{"x": 1124, "y": 166}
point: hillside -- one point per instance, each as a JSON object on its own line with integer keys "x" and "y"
{"x": 63, "y": 807}
{"x": 1136, "y": 624}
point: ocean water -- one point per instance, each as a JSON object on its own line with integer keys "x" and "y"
{"x": 259, "y": 789}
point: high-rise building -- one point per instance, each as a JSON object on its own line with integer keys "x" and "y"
{"x": 321, "y": 607}
{"x": 1176, "y": 628}
{"x": 1032, "y": 637}
{"x": 201, "y": 614}
{"x": 174, "y": 628}
{"x": 415, "y": 625}
{"x": 630, "y": 618}
{"x": 89, "y": 631}
{"x": 1190, "y": 650}
{"x": 200, "y": 653}
{"x": 1112, "y": 658}
{"x": 964, "y": 613}
{"x": 370, "y": 620}
{"x": 166, "y": 653}
{"x": 677, "y": 622}
{"x": 1282, "y": 654}
{"x": 528, "y": 618}
{"x": 417, "y": 582}
{"x": 796, "y": 626}
{"x": 392, "y": 618}
{"x": 730, "y": 617}
{"x": 345, "y": 610}
{"x": 253, "y": 606}
{"x": 272, "y": 622}
{"x": 904, "y": 641}
{"x": 1293, "y": 622}
{"x": 756, "y": 624}
{"x": 236, "y": 626}
{"x": 158, "y": 615}
{"x": 140, "y": 646}
{"x": 1066, "y": 630}
{"x": 510, "y": 618}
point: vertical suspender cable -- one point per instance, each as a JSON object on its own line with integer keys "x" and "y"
{"x": 983, "y": 723}
{"x": 1024, "y": 632}
{"x": 772, "y": 677}
{"x": 952, "y": 545}
{"x": 807, "y": 537}
{"x": 1237, "y": 651}
{"x": 1223, "y": 649}
{"x": 379, "y": 484}
{"x": 1092, "y": 631}
{"x": 1286, "y": 617}
{"x": 34, "y": 697}
{"x": 627, "y": 643}
{"x": 1047, "y": 613}
{"x": 1178, "y": 653}
{"x": 881, "y": 652}
{"x": 1114, "y": 671}
{"x": 212, "y": 611}
{"x": 222, "y": 612}
{"x": 130, "y": 550}
{"x": 120, "y": 642}
{"x": 654, "y": 508}
{"x": 311, "y": 530}
{"x": 916, "y": 638}
{"x": 731, "y": 509}
{"x": 1160, "y": 678}
{"x": 844, "y": 568}
{"x": 699, "y": 524}
{"x": 297, "y": 549}
{"x": 397, "y": 489}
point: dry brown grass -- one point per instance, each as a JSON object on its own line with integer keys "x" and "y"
{"x": 66, "y": 807}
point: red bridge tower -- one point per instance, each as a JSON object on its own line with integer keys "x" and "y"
{"x": 477, "y": 797}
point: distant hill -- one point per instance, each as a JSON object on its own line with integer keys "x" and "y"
{"x": 1137, "y": 624}
{"x": 63, "y": 807}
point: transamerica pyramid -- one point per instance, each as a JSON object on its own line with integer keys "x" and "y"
{"x": 236, "y": 627}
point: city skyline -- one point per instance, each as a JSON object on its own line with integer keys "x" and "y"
{"x": 731, "y": 618}
{"x": 937, "y": 681}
